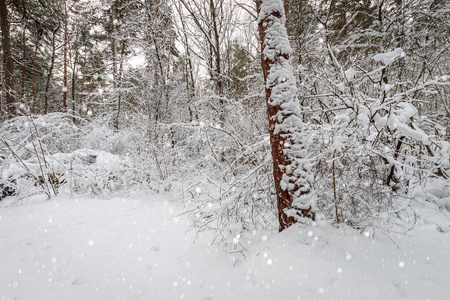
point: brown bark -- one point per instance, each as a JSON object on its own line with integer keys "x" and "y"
{"x": 24, "y": 52}
{"x": 74, "y": 75}
{"x": 83, "y": 76}
{"x": 80, "y": 105}
{"x": 66, "y": 13}
{"x": 33, "y": 76}
{"x": 281, "y": 141}
{"x": 24, "y": 58}
{"x": 119, "y": 96}
{"x": 218, "y": 60}
{"x": 8, "y": 63}
{"x": 113, "y": 47}
{"x": 52, "y": 65}
{"x": 391, "y": 177}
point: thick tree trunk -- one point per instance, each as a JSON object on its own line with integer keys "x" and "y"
{"x": 292, "y": 176}
{"x": 8, "y": 63}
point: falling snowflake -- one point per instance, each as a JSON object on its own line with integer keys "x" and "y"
{"x": 236, "y": 239}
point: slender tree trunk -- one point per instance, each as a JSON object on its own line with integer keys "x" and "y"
{"x": 80, "y": 105}
{"x": 24, "y": 58}
{"x": 74, "y": 75}
{"x": 292, "y": 176}
{"x": 33, "y": 76}
{"x": 65, "y": 90}
{"x": 24, "y": 52}
{"x": 52, "y": 65}
{"x": 8, "y": 63}
{"x": 113, "y": 46}
{"x": 119, "y": 96}
{"x": 217, "y": 57}
{"x": 83, "y": 77}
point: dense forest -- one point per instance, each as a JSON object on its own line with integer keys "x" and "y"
{"x": 115, "y": 97}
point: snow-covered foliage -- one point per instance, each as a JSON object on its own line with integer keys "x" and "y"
{"x": 58, "y": 153}
{"x": 225, "y": 175}
{"x": 373, "y": 91}
{"x": 26, "y": 142}
{"x": 56, "y": 132}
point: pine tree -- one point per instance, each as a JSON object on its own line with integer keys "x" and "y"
{"x": 8, "y": 63}
{"x": 295, "y": 198}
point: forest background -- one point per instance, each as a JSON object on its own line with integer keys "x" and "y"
{"x": 114, "y": 97}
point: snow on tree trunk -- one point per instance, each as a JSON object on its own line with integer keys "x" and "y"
{"x": 292, "y": 175}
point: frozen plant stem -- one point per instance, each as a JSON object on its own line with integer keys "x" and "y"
{"x": 46, "y": 191}
{"x": 46, "y": 177}
{"x": 334, "y": 187}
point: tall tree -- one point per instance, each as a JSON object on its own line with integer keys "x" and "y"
{"x": 295, "y": 199}
{"x": 213, "y": 23}
{"x": 8, "y": 63}
{"x": 52, "y": 61}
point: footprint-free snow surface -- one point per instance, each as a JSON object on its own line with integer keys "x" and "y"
{"x": 139, "y": 248}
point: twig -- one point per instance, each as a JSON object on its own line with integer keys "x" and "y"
{"x": 387, "y": 237}
{"x": 26, "y": 168}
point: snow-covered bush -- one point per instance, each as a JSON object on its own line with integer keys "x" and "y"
{"x": 240, "y": 202}
{"x": 44, "y": 152}
{"x": 55, "y": 132}
{"x": 89, "y": 171}
{"x": 225, "y": 169}
{"x": 27, "y": 142}
{"x": 372, "y": 144}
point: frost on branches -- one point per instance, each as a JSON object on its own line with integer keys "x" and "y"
{"x": 292, "y": 175}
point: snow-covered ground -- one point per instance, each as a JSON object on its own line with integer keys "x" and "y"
{"x": 139, "y": 248}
